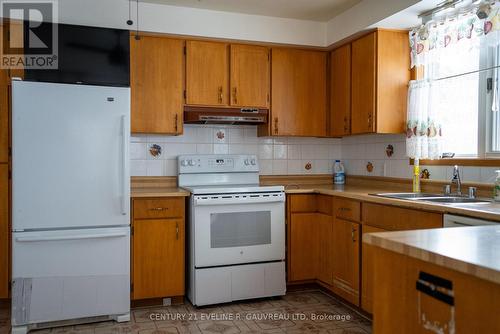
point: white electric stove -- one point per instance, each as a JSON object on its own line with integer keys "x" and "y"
{"x": 236, "y": 230}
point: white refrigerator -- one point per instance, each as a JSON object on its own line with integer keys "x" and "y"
{"x": 70, "y": 203}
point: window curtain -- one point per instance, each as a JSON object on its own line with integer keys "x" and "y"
{"x": 450, "y": 50}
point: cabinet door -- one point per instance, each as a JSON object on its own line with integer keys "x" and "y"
{"x": 367, "y": 270}
{"x": 346, "y": 265}
{"x": 4, "y": 231}
{"x": 158, "y": 258}
{"x": 249, "y": 76}
{"x": 298, "y": 90}
{"x": 326, "y": 254}
{"x": 157, "y": 83}
{"x": 304, "y": 247}
{"x": 4, "y": 116}
{"x": 363, "y": 84}
{"x": 207, "y": 71}
{"x": 340, "y": 105}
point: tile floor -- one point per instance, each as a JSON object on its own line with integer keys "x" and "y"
{"x": 308, "y": 311}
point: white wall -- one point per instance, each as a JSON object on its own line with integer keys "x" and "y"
{"x": 201, "y": 22}
{"x": 277, "y": 156}
{"x": 191, "y": 21}
{"x": 362, "y": 16}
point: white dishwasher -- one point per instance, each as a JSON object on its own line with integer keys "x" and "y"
{"x": 459, "y": 221}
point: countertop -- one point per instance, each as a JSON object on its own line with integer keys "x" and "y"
{"x": 137, "y": 192}
{"x": 471, "y": 250}
{"x": 361, "y": 193}
{"x": 490, "y": 211}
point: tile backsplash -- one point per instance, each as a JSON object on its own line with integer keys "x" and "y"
{"x": 154, "y": 155}
{"x": 277, "y": 156}
{"x": 358, "y": 151}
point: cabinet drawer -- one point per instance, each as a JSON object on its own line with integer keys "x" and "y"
{"x": 158, "y": 208}
{"x": 347, "y": 209}
{"x": 399, "y": 219}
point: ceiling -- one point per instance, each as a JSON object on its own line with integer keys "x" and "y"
{"x": 314, "y": 10}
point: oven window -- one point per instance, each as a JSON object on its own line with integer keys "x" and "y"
{"x": 236, "y": 229}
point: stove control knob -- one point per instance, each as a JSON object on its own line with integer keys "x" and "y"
{"x": 191, "y": 163}
{"x": 247, "y": 162}
{"x": 184, "y": 163}
{"x": 253, "y": 162}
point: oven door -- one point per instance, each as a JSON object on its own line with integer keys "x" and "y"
{"x": 238, "y": 228}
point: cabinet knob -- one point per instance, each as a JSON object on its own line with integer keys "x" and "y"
{"x": 220, "y": 94}
{"x": 235, "y": 95}
{"x": 158, "y": 209}
{"x": 370, "y": 123}
{"x": 176, "y": 231}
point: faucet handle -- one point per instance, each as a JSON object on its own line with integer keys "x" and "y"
{"x": 472, "y": 192}
{"x": 446, "y": 189}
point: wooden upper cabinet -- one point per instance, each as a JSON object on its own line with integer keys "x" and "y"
{"x": 340, "y": 94}
{"x": 4, "y": 116}
{"x": 379, "y": 82}
{"x": 207, "y": 73}
{"x": 249, "y": 76}
{"x": 364, "y": 76}
{"x": 157, "y": 84}
{"x": 346, "y": 246}
{"x": 298, "y": 88}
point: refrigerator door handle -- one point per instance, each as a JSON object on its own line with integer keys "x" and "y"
{"x": 71, "y": 237}
{"x": 125, "y": 199}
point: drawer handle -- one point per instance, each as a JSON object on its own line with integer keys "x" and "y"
{"x": 176, "y": 231}
{"x": 158, "y": 209}
{"x": 345, "y": 209}
{"x": 353, "y": 235}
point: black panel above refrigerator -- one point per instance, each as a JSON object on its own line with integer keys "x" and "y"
{"x": 88, "y": 55}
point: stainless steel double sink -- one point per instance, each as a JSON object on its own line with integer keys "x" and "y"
{"x": 435, "y": 198}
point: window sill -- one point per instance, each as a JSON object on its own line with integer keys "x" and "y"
{"x": 461, "y": 162}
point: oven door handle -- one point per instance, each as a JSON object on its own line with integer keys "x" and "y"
{"x": 225, "y": 201}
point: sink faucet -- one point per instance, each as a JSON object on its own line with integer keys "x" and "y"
{"x": 456, "y": 180}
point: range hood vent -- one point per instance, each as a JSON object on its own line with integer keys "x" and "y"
{"x": 215, "y": 115}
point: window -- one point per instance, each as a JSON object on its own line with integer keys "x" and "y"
{"x": 455, "y": 107}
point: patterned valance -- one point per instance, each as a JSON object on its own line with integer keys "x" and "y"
{"x": 453, "y": 31}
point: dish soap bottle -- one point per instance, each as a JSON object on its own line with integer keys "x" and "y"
{"x": 338, "y": 173}
{"x": 496, "y": 190}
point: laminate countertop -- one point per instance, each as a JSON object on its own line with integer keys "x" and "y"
{"x": 471, "y": 250}
{"x": 138, "y": 192}
{"x": 489, "y": 211}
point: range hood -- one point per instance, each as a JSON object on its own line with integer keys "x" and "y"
{"x": 217, "y": 115}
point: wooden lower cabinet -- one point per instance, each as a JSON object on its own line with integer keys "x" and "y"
{"x": 367, "y": 270}
{"x": 4, "y": 231}
{"x": 304, "y": 247}
{"x": 325, "y": 252}
{"x": 158, "y": 253}
{"x": 325, "y": 241}
{"x": 381, "y": 218}
{"x": 346, "y": 243}
{"x": 399, "y": 306}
